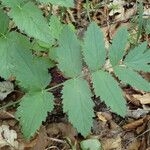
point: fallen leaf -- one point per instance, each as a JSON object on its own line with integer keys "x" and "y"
{"x": 134, "y": 124}
{"x": 146, "y": 12}
{"x": 41, "y": 142}
{"x": 114, "y": 126}
{"x": 107, "y": 115}
{"x": 108, "y": 66}
{"x": 66, "y": 130}
{"x": 146, "y": 107}
{"x": 132, "y": 100}
{"x": 6, "y": 87}
{"x": 116, "y": 7}
{"x": 101, "y": 117}
{"x": 112, "y": 143}
{"x": 130, "y": 12}
{"x": 91, "y": 144}
{"x": 8, "y": 137}
{"x": 28, "y": 145}
{"x": 134, "y": 145}
{"x": 144, "y": 99}
{"x": 6, "y": 115}
{"x": 143, "y": 143}
{"x": 137, "y": 113}
{"x": 141, "y": 128}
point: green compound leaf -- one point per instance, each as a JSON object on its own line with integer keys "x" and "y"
{"x": 117, "y": 49}
{"x": 29, "y": 19}
{"x": 13, "y": 4}
{"x": 65, "y": 3}
{"x": 32, "y": 72}
{"x": 138, "y": 58}
{"x": 33, "y": 110}
{"x": 10, "y": 46}
{"x": 107, "y": 88}
{"x": 78, "y": 104}
{"x": 16, "y": 59}
{"x": 94, "y": 48}
{"x": 4, "y": 23}
{"x": 56, "y": 27}
{"x": 130, "y": 77}
{"x": 69, "y": 53}
{"x": 40, "y": 46}
{"x": 147, "y": 26}
{"x": 91, "y": 144}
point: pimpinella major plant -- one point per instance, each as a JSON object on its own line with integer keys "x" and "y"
{"x": 18, "y": 59}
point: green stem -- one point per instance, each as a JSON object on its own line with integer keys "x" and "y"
{"x": 49, "y": 89}
{"x": 10, "y": 104}
{"x": 54, "y": 87}
{"x": 60, "y": 84}
{"x": 78, "y": 77}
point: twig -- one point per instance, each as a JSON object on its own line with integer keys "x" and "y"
{"x": 52, "y": 147}
{"x": 57, "y": 140}
{"x": 9, "y": 114}
{"x": 148, "y": 130}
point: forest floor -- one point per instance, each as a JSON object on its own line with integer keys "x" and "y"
{"x": 113, "y": 131}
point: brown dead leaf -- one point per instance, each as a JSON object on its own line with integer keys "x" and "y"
{"x": 114, "y": 27}
{"x": 134, "y": 145}
{"x": 11, "y": 122}
{"x": 112, "y": 143}
{"x": 100, "y": 128}
{"x": 146, "y": 75}
{"x": 137, "y": 123}
{"x": 28, "y": 145}
{"x": 134, "y": 124}
{"x": 141, "y": 128}
{"x": 66, "y": 130}
{"x": 113, "y": 125}
{"x": 144, "y": 99}
{"x": 6, "y": 115}
{"x": 143, "y": 143}
{"x": 107, "y": 115}
{"x": 132, "y": 100}
{"x": 41, "y": 142}
{"x": 101, "y": 117}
